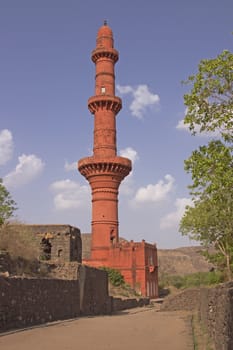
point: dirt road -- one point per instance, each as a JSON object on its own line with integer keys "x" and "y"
{"x": 137, "y": 329}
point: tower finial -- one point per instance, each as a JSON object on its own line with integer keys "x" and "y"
{"x": 105, "y": 22}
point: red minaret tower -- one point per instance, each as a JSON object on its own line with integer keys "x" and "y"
{"x": 104, "y": 170}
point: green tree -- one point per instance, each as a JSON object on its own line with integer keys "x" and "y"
{"x": 7, "y": 204}
{"x": 210, "y": 101}
{"x": 210, "y": 108}
{"x": 211, "y": 168}
{"x": 210, "y": 219}
{"x": 210, "y": 222}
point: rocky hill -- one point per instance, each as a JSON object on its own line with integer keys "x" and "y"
{"x": 182, "y": 261}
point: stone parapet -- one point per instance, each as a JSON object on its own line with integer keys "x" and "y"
{"x": 119, "y": 304}
{"x": 214, "y": 307}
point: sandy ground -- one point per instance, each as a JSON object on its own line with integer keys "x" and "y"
{"x": 142, "y": 328}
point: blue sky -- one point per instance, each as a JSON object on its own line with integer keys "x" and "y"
{"x": 46, "y": 78}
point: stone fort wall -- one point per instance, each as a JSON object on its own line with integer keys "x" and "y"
{"x": 215, "y": 310}
{"x": 26, "y": 302}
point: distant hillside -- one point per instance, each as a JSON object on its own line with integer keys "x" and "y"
{"x": 181, "y": 261}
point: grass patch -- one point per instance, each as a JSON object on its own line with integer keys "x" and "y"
{"x": 201, "y": 339}
{"x": 191, "y": 280}
{"x": 18, "y": 242}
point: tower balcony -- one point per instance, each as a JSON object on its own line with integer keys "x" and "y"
{"x": 110, "y": 53}
{"x": 100, "y": 102}
{"x": 117, "y": 167}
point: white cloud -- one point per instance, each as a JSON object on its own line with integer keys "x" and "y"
{"x": 70, "y": 166}
{"x": 70, "y": 194}
{"x": 126, "y": 188}
{"x": 185, "y": 127}
{"x": 28, "y": 168}
{"x": 182, "y": 126}
{"x": 125, "y": 89}
{"x": 6, "y": 146}
{"x": 142, "y": 98}
{"x": 172, "y": 219}
{"x": 130, "y": 153}
{"x": 157, "y": 192}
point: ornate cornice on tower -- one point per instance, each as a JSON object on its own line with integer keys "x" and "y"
{"x": 110, "y": 53}
{"x": 112, "y": 103}
{"x": 118, "y": 166}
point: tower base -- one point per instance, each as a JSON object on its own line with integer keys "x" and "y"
{"x": 136, "y": 261}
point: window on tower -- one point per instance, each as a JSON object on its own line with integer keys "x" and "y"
{"x": 103, "y": 90}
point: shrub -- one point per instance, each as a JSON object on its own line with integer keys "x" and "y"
{"x": 115, "y": 277}
{"x": 7, "y": 204}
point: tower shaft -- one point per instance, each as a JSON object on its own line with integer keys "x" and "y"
{"x": 104, "y": 170}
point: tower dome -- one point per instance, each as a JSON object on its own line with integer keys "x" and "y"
{"x": 104, "y": 37}
{"x": 105, "y": 30}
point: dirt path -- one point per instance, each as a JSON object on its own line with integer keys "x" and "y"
{"x": 136, "y": 329}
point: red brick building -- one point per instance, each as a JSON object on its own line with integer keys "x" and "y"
{"x": 104, "y": 171}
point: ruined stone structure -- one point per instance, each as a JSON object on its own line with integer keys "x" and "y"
{"x": 58, "y": 243}
{"x": 104, "y": 171}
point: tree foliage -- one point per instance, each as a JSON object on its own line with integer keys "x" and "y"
{"x": 210, "y": 101}
{"x": 210, "y": 222}
{"x": 210, "y": 219}
{"x": 7, "y": 204}
{"x": 210, "y": 106}
{"x": 211, "y": 167}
